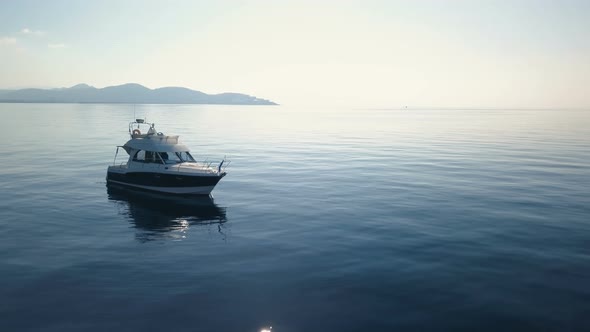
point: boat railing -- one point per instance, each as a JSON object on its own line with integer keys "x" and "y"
{"x": 224, "y": 165}
{"x": 206, "y": 165}
{"x": 182, "y": 167}
{"x": 116, "y": 154}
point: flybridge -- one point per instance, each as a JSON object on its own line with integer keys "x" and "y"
{"x": 142, "y": 128}
{"x": 139, "y": 129}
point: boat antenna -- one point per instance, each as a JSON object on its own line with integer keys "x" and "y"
{"x": 133, "y": 112}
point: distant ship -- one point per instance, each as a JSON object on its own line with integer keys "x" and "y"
{"x": 157, "y": 162}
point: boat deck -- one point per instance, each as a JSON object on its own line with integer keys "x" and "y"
{"x": 183, "y": 167}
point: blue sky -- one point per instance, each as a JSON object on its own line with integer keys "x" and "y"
{"x": 357, "y": 53}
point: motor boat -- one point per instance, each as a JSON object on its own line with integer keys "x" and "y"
{"x": 159, "y": 163}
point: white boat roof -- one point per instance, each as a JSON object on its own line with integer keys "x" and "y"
{"x": 156, "y": 143}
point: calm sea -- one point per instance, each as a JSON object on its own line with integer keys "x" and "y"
{"x": 328, "y": 220}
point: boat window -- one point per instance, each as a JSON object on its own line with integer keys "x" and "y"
{"x": 169, "y": 158}
{"x": 139, "y": 156}
{"x": 147, "y": 157}
{"x": 185, "y": 156}
{"x": 150, "y": 157}
{"x": 175, "y": 157}
{"x": 189, "y": 157}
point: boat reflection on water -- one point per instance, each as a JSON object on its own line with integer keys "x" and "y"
{"x": 161, "y": 216}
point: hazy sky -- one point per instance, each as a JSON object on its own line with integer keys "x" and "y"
{"x": 358, "y": 53}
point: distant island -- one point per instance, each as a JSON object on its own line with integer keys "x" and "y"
{"x": 130, "y": 93}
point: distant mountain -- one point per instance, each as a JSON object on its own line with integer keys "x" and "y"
{"x": 127, "y": 93}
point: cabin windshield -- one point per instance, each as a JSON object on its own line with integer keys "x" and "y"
{"x": 149, "y": 157}
{"x": 177, "y": 157}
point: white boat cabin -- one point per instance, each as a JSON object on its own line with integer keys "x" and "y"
{"x": 156, "y": 151}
